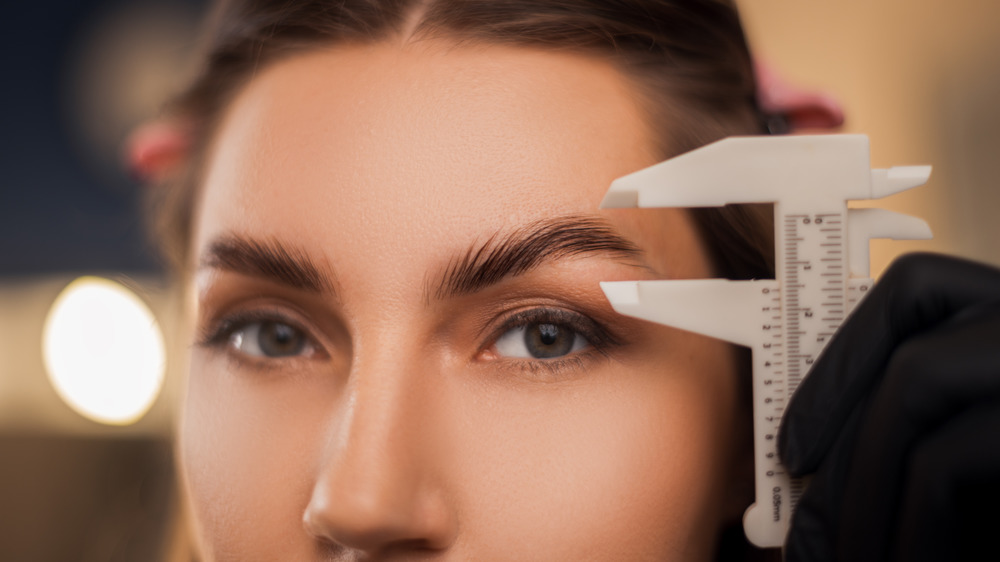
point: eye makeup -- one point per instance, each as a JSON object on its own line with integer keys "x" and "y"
{"x": 538, "y": 328}
{"x": 546, "y": 325}
{"x": 263, "y": 339}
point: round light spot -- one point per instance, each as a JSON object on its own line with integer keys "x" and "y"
{"x": 104, "y": 351}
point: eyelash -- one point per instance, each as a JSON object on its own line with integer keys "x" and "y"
{"x": 220, "y": 335}
{"x": 599, "y": 340}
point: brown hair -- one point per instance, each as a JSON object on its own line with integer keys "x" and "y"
{"x": 688, "y": 58}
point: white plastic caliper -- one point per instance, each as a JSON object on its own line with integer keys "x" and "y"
{"x": 822, "y": 270}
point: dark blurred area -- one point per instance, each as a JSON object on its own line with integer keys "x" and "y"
{"x": 78, "y": 76}
{"x": 85, "y": 499}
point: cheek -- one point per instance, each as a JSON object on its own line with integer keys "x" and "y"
{"x": 632, "y": 468}
{"x": 248, "y": 455}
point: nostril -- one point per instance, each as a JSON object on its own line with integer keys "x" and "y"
{"x": 353, "y": 520}
{"x": 369, "y": 522}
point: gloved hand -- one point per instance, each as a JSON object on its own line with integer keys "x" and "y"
{"x": 899, "y": 423}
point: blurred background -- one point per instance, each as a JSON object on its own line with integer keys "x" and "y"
{"x": 83, "y": 477}
{"x": 85, "y": 474}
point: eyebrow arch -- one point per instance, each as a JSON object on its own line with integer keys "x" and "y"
{"x": 530, "y": 246}
{"x": 268, "y": 259}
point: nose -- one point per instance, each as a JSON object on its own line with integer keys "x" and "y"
{"x": 377, "y": 489}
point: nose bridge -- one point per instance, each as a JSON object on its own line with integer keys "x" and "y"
{"x": 380, "y": 421}
{"x": 377, "y": 483}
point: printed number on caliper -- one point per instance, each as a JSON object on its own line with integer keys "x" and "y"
{"x": 821, "y": 266}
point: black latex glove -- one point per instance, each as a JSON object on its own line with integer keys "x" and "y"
{"x": 899, "y": 423}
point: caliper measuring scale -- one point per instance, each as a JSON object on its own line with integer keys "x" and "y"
{"x": 821, "y": 270}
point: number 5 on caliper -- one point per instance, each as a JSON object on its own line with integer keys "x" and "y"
{"x": 821, "y": 266}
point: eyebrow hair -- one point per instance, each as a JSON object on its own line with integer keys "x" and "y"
{"x": 529, "y": 247}
{"x": 269, "y": 259}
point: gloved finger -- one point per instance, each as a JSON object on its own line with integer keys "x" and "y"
{"x": 816, "y": 519}
{"x": 917, "y": 292}
{"x": 855, "y": 491}
{"x": 949, "y": 509}
{"x": 931, "y": 378}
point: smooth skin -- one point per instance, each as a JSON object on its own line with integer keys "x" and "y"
{"x": 372, "y": 416}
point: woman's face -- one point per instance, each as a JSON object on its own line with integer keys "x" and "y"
{"x": 402, "y": 348}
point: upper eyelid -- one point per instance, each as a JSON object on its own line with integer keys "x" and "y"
{"x": 220, "y": 329}
{"x": 222, "y": 342}
{"x": 513, "y": 319}
{"x": 222, "y": 293}
{"x": 596, "y": 334}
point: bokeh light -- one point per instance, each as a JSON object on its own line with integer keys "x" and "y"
{"x": 104, "y": 351}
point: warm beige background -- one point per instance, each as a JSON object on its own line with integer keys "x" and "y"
{"x": 922, "y": 79}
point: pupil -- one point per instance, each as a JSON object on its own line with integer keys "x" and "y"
{"x": 280, "y": 339}
{"x": 549, "y": 333}
{"x": 545, "y": 341}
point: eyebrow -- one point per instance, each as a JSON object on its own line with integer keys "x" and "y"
{"x": 268, "y": 259}
{"x": 530, "y": 246}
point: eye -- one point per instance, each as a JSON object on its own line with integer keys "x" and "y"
{"x": 270, "y": 339}
{"x": 539, "y": 340}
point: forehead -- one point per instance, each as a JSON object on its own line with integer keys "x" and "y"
{"x": 429, "y": 144}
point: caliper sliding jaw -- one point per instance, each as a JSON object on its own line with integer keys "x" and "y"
{"x": 821, "y": 270}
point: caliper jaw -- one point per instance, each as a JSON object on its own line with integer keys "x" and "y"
{"x": 822, "y": 267}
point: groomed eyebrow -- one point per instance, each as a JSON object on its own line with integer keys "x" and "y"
{"x": 530, "y": 246}
{"x": 267, "y": 259}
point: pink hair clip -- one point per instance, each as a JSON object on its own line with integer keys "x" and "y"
{"x": 155, "y": 150}
{"x": 794, "y": 107}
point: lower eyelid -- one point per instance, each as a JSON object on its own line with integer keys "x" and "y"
{"x": 568, "y": 366}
